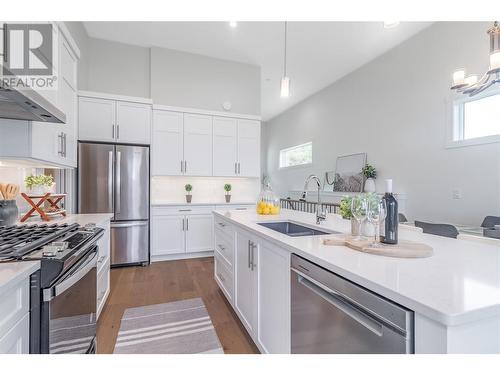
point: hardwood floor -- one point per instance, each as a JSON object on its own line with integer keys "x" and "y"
{"x": 165, "y": 282}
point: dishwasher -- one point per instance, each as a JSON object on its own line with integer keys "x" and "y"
{"x": 333, "y": 315}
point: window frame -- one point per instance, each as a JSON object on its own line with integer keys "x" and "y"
{"x": 284, "y": 150}
{"x": 455, "y": 137}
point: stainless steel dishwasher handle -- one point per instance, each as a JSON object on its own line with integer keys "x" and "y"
{"x": 338, "y": 301}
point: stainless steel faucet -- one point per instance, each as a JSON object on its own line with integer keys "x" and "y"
{"x": 320, "y": 213}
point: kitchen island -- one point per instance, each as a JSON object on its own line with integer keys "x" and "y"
{"x": 455, "y": 294}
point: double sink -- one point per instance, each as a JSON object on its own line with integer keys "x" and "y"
{"x": 293, "y": 229}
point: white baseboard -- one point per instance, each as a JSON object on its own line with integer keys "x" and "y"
{"x": 162, "y": 258}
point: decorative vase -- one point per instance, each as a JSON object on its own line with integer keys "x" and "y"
{"x": 370, "y": 185}
{"x": 228, "y": 198}
{"x": 8, "y": 212}
{"x": 354, "y": 227}
{"x": 188, "y": 198}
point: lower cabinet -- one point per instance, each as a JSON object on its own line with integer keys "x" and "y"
{"x": 15, "y": 319}
{"x": 182, "y": 231}
{"x": 103, "y": 267}
{"x": 261, "y": 282}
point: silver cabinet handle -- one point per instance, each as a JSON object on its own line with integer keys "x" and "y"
{"x": 183, "y": 228}
{"x": 239, "y": 169}
{"x": 182, "y": 167}
{"x": 65, "y": 144}
{"x": 222, "y": 248}
{"x": 252, "y": 258}
{"x": 185, "y": 166}
{"x": 117, "y": 131}
{"x": 249, "y": 261}
{"x": 336, "y": 300}
{"x": 187, "y": 223}
{"x": 113, "y": 131}
{"x": 118, "y": 180}
{"x": 129, "y": 224}
{"x": 185, "y": 210}
{"x": 235, "y": 168}
{"x": 222, "y": 225}
{"x": 101, "y": 259}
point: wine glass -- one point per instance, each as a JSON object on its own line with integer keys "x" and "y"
{"x": 377, "y": 211}
{"x": 359, "y": 210}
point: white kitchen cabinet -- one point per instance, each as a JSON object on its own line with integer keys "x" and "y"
{"x": 273, "y": 333}
{"x": 96, "y": 119}
{"x": 246, "y": 281}
{"x": 48, "y": 143}
{"x": 197, "y": 145}
{"x": 248, "y": 148}
{"x": 133, "y": 122}
{"x": 106, "y": 118}
{"x": 168, "y": 234}
{"x": 199, "y": 233}
{"x": 16, "y": 341}
{"x": 225, "y": 155}
{"x": 181, "y": 232}
{"x": 103, "y": 267}
{"x": 167, "y": 150}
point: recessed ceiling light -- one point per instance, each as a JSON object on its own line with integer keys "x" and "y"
{"x": 390, "y": 24}
{"x": 233, "y": 24}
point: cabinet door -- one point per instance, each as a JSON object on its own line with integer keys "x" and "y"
{"x": 246, "y": 283}
{"x": 168, "y": 235}
{"x": 68, "y": 105}
{"x": 197, "y": 145}
{"x": 133, "y": 122}
{"x": 167, "y": 143}
{"x": 274, "y": 299}
{"x": 96, "y": 119}
{"x": 199, "y": 233}
{"x": 16, "y": 341}
{"x": 249, "y": 148}
{"x": 225, "y": 146}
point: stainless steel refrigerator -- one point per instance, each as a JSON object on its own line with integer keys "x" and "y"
{"x": 115, "y": 179}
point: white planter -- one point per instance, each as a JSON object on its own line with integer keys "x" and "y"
{"x": 370, "y": 185}
{"x": 38, "y": 190}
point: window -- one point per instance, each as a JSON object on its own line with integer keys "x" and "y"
{"x": 476, "y": 120}
{"x": 297, "y": 155}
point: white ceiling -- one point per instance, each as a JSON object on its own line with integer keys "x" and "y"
{"x": 319, "y": 53}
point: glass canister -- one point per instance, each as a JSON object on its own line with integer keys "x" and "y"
{"x": 268, "y": 202}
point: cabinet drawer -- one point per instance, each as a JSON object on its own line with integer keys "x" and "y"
{"x": 223, "y": 276}
{"x": 14, "y": 304}
{"x": 239, "y": 207}
{"x": 224, "y": 227}
{"x": 224, "y": 246}
{"x": 16, "y": 340}
{"x": 102, "y": 287}
{"x": 183, "y": 210}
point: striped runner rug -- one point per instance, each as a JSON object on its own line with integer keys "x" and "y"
{"x": 180, "y": 327}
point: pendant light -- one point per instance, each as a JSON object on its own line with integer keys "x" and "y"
{"x": 285, "y": 81}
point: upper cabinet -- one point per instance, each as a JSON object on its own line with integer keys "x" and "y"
{"x": 41, "y": 142}
{"x": 196, "y": 144}
{"x": 104, "y": 118}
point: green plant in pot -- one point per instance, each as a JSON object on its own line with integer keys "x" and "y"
{"x": 227, "y": 189}
{"x": 39, "y": 184}
{"x": 188, "y": 188}
{"x": 370, "y": 174}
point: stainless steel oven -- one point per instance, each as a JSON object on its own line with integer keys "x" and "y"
{"x": 68, "y": 323}
{"x": 333, "y": 315}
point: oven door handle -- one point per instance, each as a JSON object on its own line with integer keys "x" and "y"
{"x": 83, "y": 269}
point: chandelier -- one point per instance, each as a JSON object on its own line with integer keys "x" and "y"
{"x": 472, "y": 84}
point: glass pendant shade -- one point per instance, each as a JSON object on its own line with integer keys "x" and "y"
{"x": 285, "y": 87}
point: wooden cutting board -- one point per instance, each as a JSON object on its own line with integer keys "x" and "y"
{"x": 404, "y": 248}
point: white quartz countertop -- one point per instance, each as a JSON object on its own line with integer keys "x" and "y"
{"x": 460, "y": 283}
{"x": 164, "y": 203}
{"x": 81, "y": 219}
{"x": 12, "y": 273}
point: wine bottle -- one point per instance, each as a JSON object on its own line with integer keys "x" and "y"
{"x": 390, "y": 228}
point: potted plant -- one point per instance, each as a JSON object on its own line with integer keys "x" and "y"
{"x": 39, "y": 185}
{"x": 227, "y": 189}
{"x": 346, "y": 213}
{"x": 188, "y": 188}
{"x": 370, "y": 174}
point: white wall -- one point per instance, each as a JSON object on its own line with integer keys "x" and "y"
{"x": 189, "y": 80}
{"x": 205, "y": 189}
{"x": 396, "y": 109}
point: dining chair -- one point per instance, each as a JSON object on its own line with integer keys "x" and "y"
{"x": 490, "y": 221}
{"x": 444, "y": 230}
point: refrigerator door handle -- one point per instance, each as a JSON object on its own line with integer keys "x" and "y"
{"x": 129, "y": 224}
{"x": 110, "y": 179}
{"x": 118, "y": 181}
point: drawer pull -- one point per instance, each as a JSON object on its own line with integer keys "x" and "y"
{"x": 221, "y": 247}
{"x": 185, "y": 210}
{"x": 222, "y": 225}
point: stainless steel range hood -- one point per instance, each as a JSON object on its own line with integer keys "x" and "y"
{"x": 27, "y": 104}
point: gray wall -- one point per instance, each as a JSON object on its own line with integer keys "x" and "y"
{"x": 168, "y": 77}
{"x": 396, "y": 109}
{"x": 189, "y": 80}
